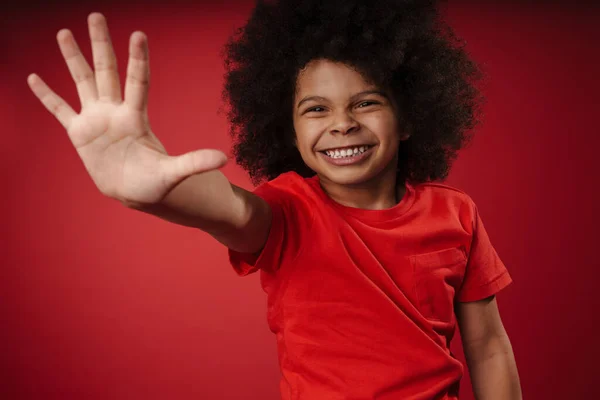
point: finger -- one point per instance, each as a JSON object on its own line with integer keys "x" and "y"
{"x": 105, "y": 61}
{"x": 194, "y": 162}
{"x": 138, "y": 72}
{"x": 53, "y": 103}
{"x": 80, "y": 70}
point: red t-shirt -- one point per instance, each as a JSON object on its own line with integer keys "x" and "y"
{"x": 361, "y": 301}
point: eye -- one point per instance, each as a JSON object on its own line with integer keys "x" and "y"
{"x": 366, "y": 104}
{"x": 315, "y": 109}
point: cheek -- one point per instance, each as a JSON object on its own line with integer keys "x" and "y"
{"x": 307, "y": 135}
{"x": 385, "y": 127}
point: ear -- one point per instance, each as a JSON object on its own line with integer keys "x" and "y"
{"x": 406, "y": 131}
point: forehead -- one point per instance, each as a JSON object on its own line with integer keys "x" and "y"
{"x": 328, "y": 78}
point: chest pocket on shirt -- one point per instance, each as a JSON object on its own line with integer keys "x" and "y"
{"x": 437, "y": 276}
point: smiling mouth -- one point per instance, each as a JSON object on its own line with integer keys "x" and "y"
{"x": 344, "y": 152}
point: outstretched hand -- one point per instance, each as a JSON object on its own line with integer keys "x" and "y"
{"x": 112, "y": 133}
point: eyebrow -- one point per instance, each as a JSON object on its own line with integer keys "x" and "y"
{"x": 320, "y": 98}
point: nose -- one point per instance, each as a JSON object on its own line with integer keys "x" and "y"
{"x": 343, "y": 123}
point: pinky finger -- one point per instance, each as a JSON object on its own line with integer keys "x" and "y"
{"x": 53, "y": 103}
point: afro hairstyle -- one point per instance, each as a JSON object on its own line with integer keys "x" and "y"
{"x": 403, "y": 46}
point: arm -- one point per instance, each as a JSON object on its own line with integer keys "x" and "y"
{"x": 488, "y": 351}
{"x": 208, "y": 201}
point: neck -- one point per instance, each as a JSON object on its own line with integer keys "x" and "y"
{"x": 378, "y": 193}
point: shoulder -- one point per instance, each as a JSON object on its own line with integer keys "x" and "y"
{"x": 287, "y": 183}
{"x": 288, "y": 188}
{"x": 441, "y": 191}
{"x": 446, "y": 199}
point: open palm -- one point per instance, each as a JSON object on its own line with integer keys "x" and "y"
{"x": 112, "y": 134}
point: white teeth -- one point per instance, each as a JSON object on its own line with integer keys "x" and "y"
{"x": 346, "y": 152}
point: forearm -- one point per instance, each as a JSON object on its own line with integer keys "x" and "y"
{"x": 494, "y": 372}
{"x": 209, "y": 202}
{"x": 205, "y": 201}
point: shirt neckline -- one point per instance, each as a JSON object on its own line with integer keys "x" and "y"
{"x": 383, "y": 215}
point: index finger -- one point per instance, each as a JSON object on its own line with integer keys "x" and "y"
{"x": 138, "y": 72}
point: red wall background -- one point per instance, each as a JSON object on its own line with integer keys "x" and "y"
{"x": 100, "y": 302}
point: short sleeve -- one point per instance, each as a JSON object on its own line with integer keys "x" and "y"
{"x": 288, "y": 222}
{"x": 485, "y": 273}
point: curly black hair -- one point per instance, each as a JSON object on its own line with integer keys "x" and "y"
{"x": 401, "y": 45}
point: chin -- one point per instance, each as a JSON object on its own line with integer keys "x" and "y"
{"x": 347, "y": 176}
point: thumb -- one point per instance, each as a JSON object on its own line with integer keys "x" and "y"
{"x": 194, "y": 162}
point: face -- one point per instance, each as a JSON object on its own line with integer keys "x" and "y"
{"x": 346, "y": 128}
